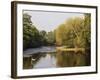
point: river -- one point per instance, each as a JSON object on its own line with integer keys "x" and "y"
{"x": 49, "y": 57}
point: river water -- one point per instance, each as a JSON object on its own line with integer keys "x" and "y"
{"x": 49, "y": 57}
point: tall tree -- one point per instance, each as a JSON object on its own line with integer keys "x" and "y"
{"x": 31, "y": 36}
{"x": 75, "y": 32}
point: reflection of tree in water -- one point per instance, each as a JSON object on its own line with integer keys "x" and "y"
{"x": 71, "y": 59}
{"x": 52, "y": 54}
{"x": 29, "y": 62}
{"x": 59, "y": 59}
{"x": 35, "y": 58}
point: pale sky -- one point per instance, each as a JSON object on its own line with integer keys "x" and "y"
{"x": 49, "y": 21}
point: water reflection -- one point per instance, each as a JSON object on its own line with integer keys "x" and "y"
{"x": 71, "y": 59}
{"x": 57, "y": 59}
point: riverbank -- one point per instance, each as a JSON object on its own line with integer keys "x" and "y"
{"x": 48, "y": 49}
{"x": 70, "y": 49}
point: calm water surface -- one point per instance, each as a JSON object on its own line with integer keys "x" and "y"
{"x": 55, "y": 59}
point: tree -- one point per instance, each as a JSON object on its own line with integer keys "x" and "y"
{"x": 43, "y": 35}
{"x": 87, "y": 29}
{"x": 68, "y": 31}
{"x": 76, "y": 26}
{"x": 50, "y": 38}
{"x": 31, "y": 36}
{"x": 75, "y": 32}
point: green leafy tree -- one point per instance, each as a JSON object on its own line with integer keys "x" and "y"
{"x": 43, "y": 37}
{"x": 31, "y": 36}
{"x": 87, "y": 29}
{"x": 50, "y": 38}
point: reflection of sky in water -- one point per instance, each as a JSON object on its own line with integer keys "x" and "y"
{"x": 48, "y": 61}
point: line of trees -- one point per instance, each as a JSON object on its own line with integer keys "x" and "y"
{"x": 32, "y": 37}
{"x": 75, "y": 32}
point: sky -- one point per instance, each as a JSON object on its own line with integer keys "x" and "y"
{"x": 49, "y": 21}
